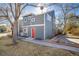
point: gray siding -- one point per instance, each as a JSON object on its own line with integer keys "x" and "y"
{"x": 39, "y": 19}
{"x": 49, "y": 25}
{"x": 33, "y": 20}
{"x": 39, "y": 32}
{"x": 29, "y": 31}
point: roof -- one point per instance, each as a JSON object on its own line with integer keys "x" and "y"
{"x": 30, "y": 14}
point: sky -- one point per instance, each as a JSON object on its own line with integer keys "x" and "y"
{"x": 28, "y": 10}
{"x": 36, "y": 10}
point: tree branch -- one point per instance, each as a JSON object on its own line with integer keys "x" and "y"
{"x": 9, "y": 17}
{"x": 11, "y": 8}
{"x": 6, "y": 15}
{"x": 22, "y": 9}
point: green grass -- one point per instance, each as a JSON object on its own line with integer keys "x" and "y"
{"x": 29, "y": 49}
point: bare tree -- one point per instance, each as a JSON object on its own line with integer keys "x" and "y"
{"x": 66, "y": 8}
{"x": 13, "y": 11}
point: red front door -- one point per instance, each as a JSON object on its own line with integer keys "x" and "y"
{"x": 33, "y": 32}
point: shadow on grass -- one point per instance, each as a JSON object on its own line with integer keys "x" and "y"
{"x": 11, "y": 44}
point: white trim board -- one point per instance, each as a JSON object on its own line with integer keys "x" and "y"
{"x": 38, "y": 25}
{"x": 34, "y": 25}
{"x": 44, "y": 26}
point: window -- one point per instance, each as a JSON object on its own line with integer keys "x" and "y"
{"x": 25, "y": 30}
{"x": 25, "y": 19}
{"x": 33, "y": 20}
{"x": 49, "y": 17}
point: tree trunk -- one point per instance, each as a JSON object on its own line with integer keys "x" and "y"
{"x": 65, "y": 20}
{"x": 14, "y": 32}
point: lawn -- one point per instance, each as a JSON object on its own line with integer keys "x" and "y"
{"x": 29, "y": 49}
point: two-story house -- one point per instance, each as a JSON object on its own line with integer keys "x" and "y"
{"x": 38, "y": 26}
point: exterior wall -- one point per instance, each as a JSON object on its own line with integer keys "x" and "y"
{"x": 44, "y": 25}
{"x": 36, "y": 21}
{"x": 50, "y": 27}
{"x": 33, "y": 20}
{"x": 39, "y": 32}
{"x": 29, "y": 31}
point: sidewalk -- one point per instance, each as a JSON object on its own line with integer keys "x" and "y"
{"x": 44, "y": 43}
{"x": 64, "y": 40}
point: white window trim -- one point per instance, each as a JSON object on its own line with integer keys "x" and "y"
{"x": 38, "y": 25}
{"x": 34, "y": 25}
{"x": 25, "y": 31}
{"x": 44, "y": 27}
{"x": 32, "y": 19}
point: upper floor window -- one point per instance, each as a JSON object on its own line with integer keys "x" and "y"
{"x": 25, "y": 19}
{"x": 33, "y": 20}
{"x": 49, "y": 17}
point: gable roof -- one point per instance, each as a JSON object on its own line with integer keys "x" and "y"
{"x": 30, "y": 14}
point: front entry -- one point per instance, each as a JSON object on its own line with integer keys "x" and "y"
{"x": 33, "y": 32}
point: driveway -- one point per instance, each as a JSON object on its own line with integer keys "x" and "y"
{"x": 62, "y": 39}
{"x": 74, "y": 40}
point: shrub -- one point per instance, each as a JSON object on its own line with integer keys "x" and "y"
{"x": 75, "y": 31}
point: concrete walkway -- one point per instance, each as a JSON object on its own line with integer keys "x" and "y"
{"x": 65, "y": 40}
{"x": 73, "y": 40}
{"x": 45, "y": 43}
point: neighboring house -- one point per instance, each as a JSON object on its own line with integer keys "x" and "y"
{"x": 38, "y": 26}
